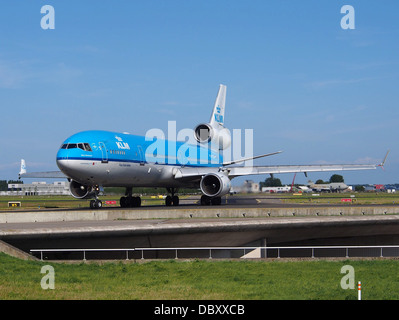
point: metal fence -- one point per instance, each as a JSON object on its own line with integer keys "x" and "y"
{"x": 220, "y": 252}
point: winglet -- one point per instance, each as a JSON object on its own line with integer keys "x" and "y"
{"x": 383, "y": 161}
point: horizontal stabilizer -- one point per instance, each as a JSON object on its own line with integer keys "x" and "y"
{"x": 35, "y": 175}
{"x": 43, "y": 175}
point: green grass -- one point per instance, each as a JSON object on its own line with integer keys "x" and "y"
{"x": 364, "y": 198}
{"x": 199, "y": 279}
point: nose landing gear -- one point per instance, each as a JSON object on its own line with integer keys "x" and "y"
{"x": 96, "y": 204}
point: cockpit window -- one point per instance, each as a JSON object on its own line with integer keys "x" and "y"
{"x": 83, "y": 146}
{"x": 87, "y": 147}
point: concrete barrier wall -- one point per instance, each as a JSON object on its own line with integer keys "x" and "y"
{"x": 186, "y": 213}
{"x": 15, "y": 252}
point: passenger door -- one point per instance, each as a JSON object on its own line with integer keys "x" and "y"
{"x": 141, "y": 155}
{"x": 104, "y": 152}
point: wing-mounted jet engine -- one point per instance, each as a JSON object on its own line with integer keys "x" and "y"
{"x": 81, "y": 191}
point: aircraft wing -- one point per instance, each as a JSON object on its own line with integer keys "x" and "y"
{"x": 187, "y": 173}
{"x": 232, "y": 172}
{"x": 242, "y": 171}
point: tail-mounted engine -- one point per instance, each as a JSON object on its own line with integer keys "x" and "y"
{"x": 220, "y": 138}
{"x": 214, "y": 132}
{"x": 215, "y": 185}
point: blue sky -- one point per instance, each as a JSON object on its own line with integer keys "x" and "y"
{"x": 302, "y": 83}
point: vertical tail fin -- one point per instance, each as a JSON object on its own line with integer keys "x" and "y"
{"x": 217, "y": 117}
{"x": 214, "y": 131}
{"x": 23, "y": 167}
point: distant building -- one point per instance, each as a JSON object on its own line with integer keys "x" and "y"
{"x": 38, "y": 189}
{"x": 391, "y": 188}
{"x": 380, "y": 188}
{"x": 249, "y": 186}
{"x": 277, "y": 189}
{"x": 329, "y": 187}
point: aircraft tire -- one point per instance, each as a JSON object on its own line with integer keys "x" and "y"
{"x": 136, "y": 202}
{"x": 168, "y": 201}
{"x": 123, "y": 202}
{"x": 216, "y": 201}
{"x": 205, "y": 200}
{"x": 96, "y": 204}
{"x": 175, "y": 200}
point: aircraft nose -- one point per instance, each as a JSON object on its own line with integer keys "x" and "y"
{"x": 62, "y": 160}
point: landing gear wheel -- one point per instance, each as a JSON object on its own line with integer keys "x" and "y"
{"x": 168, "y": 201}
{"x": 123, "y": 202}
{"x": 216, "y": 201}
{"x": 172, "y": 200}
{"x": 205, "y": 200}
{"x": 96, "y": 204}
{"x": 136, "y": 202}
{"x": 175, "y": 200}
{"x": 130, "y": 202}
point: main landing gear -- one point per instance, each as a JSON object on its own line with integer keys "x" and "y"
{"x": 172, "y": 200}
{"x": 129, "y": 201}
{"x": 207, "y": 201}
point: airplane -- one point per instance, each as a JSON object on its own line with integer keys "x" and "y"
{"x": 329, "y": 187}
{"x": 92, "y": 160}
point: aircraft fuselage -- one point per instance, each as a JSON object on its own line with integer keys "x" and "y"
{"x": 119, "y": 159}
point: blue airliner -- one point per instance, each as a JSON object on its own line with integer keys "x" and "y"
{"x": 91, "y": 160}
